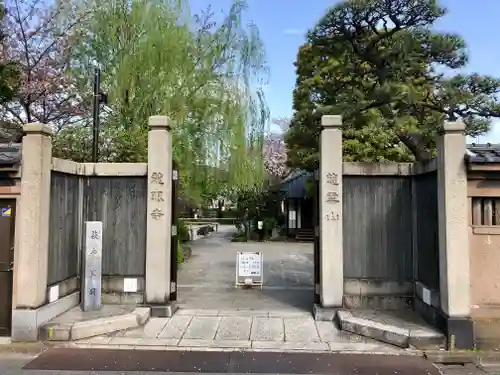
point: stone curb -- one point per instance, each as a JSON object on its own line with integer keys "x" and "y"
{"x": 25, "y": 348}
{"x": 388, "y": 333}
{"x": 94, "y": 327}
{"x": 480, "y": 358}
{"x": 378, "y": 331}
{"x": 122, "y": 346}
{"x": 243, "y": 312}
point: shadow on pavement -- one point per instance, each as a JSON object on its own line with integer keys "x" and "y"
{"x": 230, "y": 362}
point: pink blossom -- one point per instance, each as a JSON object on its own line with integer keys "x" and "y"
{"x": 38, "y": 38}
{"x": 275, "y": 150}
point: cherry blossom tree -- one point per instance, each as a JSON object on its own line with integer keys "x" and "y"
{"x": 8, "y": 70}
{"x": 38, "y": 36}
{"x": 275, "y": 150}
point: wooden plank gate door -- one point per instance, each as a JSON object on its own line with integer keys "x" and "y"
{"x": 7, "y": 215}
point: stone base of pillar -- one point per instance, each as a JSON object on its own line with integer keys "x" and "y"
{"x": 164, "y": 311}
{"x": 325, "y": 314}
{"x": 27, "y": 322}
{"x": 459, "y": 331}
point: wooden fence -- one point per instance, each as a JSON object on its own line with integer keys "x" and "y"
{"x": 119, "y": 202}
{"x": 377, "y": 228}
{"x": 390, "y": 228}
{"x": 426, "y": 231}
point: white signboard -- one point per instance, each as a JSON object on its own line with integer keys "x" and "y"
{"x": 249, "y": 268}
{"x": 130, "y": 285}
{"x": 426, "y": 296}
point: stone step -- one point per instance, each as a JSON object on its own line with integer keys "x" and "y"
{"x": 305, "y": 235}
{"x": 407, "y": 331}
{"x": 77, "y": 330}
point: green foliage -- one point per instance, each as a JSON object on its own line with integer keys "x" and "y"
{"x": 269, "y": 223}
{"x": 180, "y": 252}
{"x": 9, "y": 72}
{"x": 263, "y": 205}
{"x": 239, "y": 236}
{"x": 205, "y": 76}
{"x": 182, "y": 231}
{"x": 379, "y": 64}
{"x": 220, "y": 220}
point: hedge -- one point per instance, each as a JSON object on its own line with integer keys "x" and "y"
{"x": 220, "y": 220}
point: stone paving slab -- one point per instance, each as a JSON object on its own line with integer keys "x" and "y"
{"x": 267, "y": 329}
{"x": 234, "y": 328}
{"x": 225, "y": 330}
{"x": 202, "y": 328}
{"x": 301, "y": 330}
{"x": 175, "y": 326}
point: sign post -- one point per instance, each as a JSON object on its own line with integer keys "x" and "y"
{"x": 91, "y": 286}
{"x": 249, "y": 269}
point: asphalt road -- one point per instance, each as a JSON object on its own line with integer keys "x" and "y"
{"x": 104, "y": 361}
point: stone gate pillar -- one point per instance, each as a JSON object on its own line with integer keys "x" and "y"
{"x": 159, "y": 210}
{"x": 330, "y": 222}
{"x": 31, "y": 252}
{"x": 453, "y": 215}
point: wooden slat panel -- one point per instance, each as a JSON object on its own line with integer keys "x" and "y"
{"x": 121, "y": 204}
{"x": 63, "y": 227}
{"x": 496, "y": 211}
{"x": 487, "y": 211}
{"x": 427, "y": 240}
{"x": 477, "y": 211}
{"x": 377, "y": 227}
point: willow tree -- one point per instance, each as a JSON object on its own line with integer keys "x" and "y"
{"x": 157, "y": 58}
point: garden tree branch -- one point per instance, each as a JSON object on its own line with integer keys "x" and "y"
{"x": 199, "y": 74}
{"x": 374, "y": 62}
{"x": 38, "y": 39}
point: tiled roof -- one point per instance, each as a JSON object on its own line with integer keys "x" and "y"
{"x": 10, "y": 154}
{"x": 294, "y": 186}
{"x": 480, "y": 154}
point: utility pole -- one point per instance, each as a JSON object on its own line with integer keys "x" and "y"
{"x": 99, "y": 98}
{"x": 95, "y": 110}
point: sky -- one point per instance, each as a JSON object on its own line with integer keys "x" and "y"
{"x": 283, "y": 24}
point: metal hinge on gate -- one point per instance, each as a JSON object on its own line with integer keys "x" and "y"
{"x": 6, "y": 267}
{"x": 173, "y": 287}
{"x": 174, "y": 230}
{"x": 175, "y": 175}
{"x": 316, "y": 231}
{"x": 317, "y": 288}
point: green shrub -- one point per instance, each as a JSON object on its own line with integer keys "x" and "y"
{"x": 180, "y": 252}
{"x": 239, "y": 237}
{"x": 238, "y": 224}
{"x": 220, "y": 220}
{"x": 183, "y": 231}
{"x": 269, "y": 224}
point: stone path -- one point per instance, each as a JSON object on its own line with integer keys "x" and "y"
{"x": 240, "y": 330}
{"x": 207, "y": 279}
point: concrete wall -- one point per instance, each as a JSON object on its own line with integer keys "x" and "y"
{"x": 483, "y": 190}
